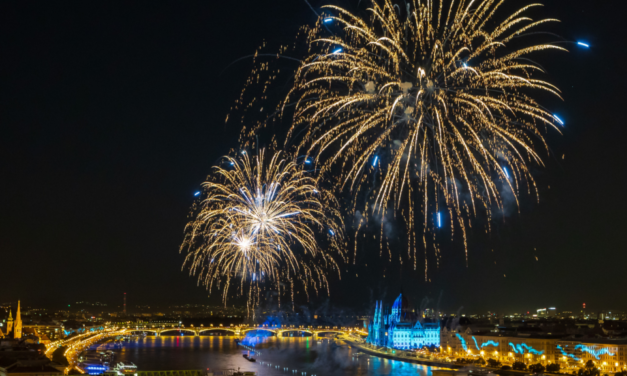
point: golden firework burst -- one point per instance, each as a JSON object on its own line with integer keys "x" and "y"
{"x": 437, "y": 100}
{"x": 262, "y": 222}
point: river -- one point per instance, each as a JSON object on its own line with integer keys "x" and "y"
{"x": 303, "y": 354}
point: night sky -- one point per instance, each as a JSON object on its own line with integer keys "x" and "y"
{"x": 112, "y": 114}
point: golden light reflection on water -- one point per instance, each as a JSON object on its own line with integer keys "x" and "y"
{"x": 304, "y": 354}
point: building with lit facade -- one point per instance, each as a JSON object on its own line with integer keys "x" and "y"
{"x": 14, "y": 328}
{"x": 609, "y": 355}
{"x": 399, "y": 328}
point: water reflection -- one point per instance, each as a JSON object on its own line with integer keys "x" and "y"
{"x": 286, "y": 356}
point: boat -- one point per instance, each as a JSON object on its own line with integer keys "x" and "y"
{"x": 249, "y": 358}
{"x": 125, "y": 367}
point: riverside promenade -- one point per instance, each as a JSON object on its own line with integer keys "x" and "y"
{"x": 402, "y": 358}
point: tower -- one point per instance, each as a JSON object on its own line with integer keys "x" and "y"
{"x": 17, "y": 330}
{"x": 9, "y": 323}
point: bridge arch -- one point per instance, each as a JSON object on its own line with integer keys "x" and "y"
{"x": 216, "y": 329}
{"x": 282, "y": 332}
{"x": 259, "y": 329}
{"x": 192, "y": 331}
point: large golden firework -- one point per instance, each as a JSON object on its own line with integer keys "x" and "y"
{"x": 260, "y": 222}
{"x": 434, "y": 98}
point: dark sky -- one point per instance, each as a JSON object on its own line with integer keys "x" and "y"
{"x": 112, "y": 114}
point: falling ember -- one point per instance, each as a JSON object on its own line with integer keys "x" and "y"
{"x": 259, "y": 223}
{"x": 558, "y": 119}
{"x": 439, "y": 92}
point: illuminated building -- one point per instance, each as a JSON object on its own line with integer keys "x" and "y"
{"x": 14, "y": 328}
{"x": 400, "y": 329}
{"x": 609, "y": 355}
{"x": 10, "y": 323}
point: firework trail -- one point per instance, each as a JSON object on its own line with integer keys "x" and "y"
{"x": 435, "y": 101}
{"x": 258, "y": 224}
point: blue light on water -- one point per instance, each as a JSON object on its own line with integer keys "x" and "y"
{"x": 337, "y": 51}
{"x": 374, "y": 162}
{"x": 558, "y": 119}
{"x": 328, "y": 19}
{"x": 582, "y": 44}
{"x": 197, "y": 193}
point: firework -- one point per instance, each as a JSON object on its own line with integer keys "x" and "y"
{"x": 259, "y": 222}
{"x": 436, "y": 104}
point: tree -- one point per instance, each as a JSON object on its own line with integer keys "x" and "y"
{"x": 480, "y": 361}
{"x": 519, "y": 366}
{"x": 536, "y": 368}
{"x": 555, "y": 368}
{"x": 623, "y": 373}
{"x": 589, "y": 370}
{"x": 494, "y": 363}
{"x": 59, "y": 357}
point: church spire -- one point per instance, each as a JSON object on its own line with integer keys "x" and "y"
{"x": 10, "y": 322}
{"x": 17, "y": 331}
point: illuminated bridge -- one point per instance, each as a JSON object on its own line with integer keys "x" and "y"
{"x": 239, "y": 331}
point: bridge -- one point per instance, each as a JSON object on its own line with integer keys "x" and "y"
{"x": 238, "y": 330}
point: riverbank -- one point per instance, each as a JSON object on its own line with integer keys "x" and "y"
{"x": 401, "y": 358}
{"x": 431, "y": 363}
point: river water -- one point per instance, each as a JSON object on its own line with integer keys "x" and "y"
{"x": 293, "y": 356}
